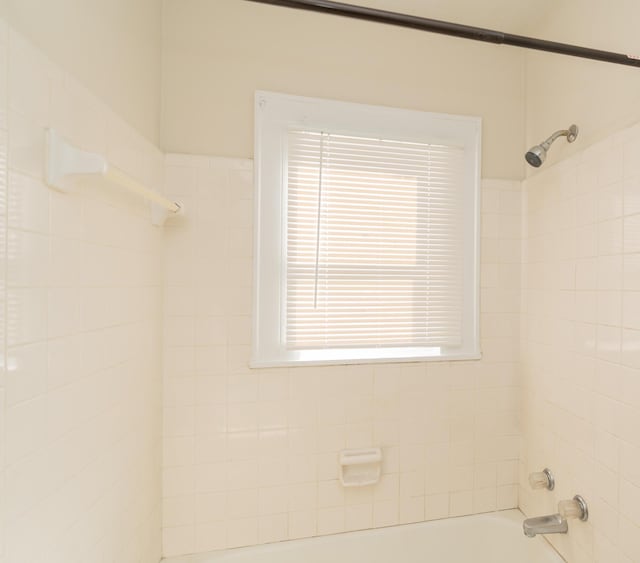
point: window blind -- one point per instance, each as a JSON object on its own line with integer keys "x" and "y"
{"x": 374, "y": 243}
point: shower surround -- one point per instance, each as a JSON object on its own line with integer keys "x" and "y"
{"x": 251, "y": 456}
{"x": 580, "y": 352}
{"x": 81, "y": 296}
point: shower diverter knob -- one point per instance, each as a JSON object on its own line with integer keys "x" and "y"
{"x": 574, "y": 508}
{"x": 542, "y": 480}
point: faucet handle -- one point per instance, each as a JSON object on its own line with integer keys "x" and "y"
{"x": 574, "y": 508}
{"x": 542, "y": 480}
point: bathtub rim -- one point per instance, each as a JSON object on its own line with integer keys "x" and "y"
{"x": 507, "y": 515}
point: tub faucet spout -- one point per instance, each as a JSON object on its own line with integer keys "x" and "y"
{"x": 551, "y": 524}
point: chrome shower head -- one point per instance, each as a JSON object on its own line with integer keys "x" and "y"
{"x": 536, "y": 155}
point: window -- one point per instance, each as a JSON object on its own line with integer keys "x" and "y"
{"x": 366, "y": 233}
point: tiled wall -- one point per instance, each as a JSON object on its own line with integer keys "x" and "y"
{"x": 250, "y": 456}
{"x": 3, "y": 274}
{"x": 581, "y": 345}
{"x": 81, "y": 391}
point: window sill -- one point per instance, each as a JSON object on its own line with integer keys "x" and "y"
{"x": 369, "y": 356}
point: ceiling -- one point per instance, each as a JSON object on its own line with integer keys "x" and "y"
{"x": 510, "y": 16}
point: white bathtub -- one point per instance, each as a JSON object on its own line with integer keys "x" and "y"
{"x": 484, "y": 538}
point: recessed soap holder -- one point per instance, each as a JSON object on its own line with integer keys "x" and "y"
{"x": 360, "y": 467}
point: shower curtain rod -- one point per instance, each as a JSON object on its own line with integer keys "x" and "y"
{"x": 453, "y": 29}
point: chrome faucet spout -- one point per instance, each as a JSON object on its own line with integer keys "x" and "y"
{"x": 551, "y": 524}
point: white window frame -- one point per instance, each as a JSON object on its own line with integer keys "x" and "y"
{"x": 277, "y": 114}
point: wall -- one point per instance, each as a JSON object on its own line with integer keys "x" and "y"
{"x": 81, "y": 391}
{"x": 3, "y": 276}
{"x": 216, "y": 54}
{"x": 111, "y": 46}
{"x": 601, "y": 98}
{"x": 580, "y": 360}
{"x": 250, "y": 456}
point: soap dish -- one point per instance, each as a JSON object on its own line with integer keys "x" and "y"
{"x": 360, "y": 467}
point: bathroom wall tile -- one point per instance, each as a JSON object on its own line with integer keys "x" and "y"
{"x": 242, "y": 532}
{"x": 28, "y": 204}
{"x": 485, "y": 500}
{"x": 460, "y": 503}
{"x": 629, "y": 539}
{"x": 273, "y": 528}
{"x": 178, "y": 451}
{"x": 632, "y": 233}
{"x": 204, "y": 478}
{"x": 358, "y": 517}
{"x": 26, "y": 146}
{"x": 436, "y": 506}
{"x": 26, "y": 373}
{"x": 27, "y": 430}
{"x": 211, "y": 537}
{"x": 302, "y": 524}
{"x": 179, "y": 511}
{"x": 26, "y": 315}
{"x": 178, "y": 540}
{"x": 331, "y": 520}
{"x": 507, "y": 496}
{"x": 28, "y": 259}
{"x": 179, "y": 480}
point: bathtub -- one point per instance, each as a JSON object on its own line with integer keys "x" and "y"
{"x": 485, "y": 538}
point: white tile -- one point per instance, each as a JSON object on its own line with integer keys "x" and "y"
{"x": 178, "y": 541}
{"x": 28, "y": 259}
{"x": 178, "y": 511}
{"x": 64, "y": 312}
{"x": 26, "y": 372}
{"x": 273, "y": 528}
{"x": 358, "y": 517}
{"x": 178, "y": 451}
{"x": 461, "y": 503}
{"x": 25, "y": 428}
{"x": 485, "y": 500}
{"x": 26, "y": 315}
{"x": 178, "y": 481}
{"x": 385, "y": 513}
{"x": 631, "y": 309}
{"x": 436, "y": 506}
{"x": 178, "y": 421}
{"x": 507, "y": 497}
{"x": 180, "y": 180}
{"x": 412, "y": 509}
{"x": 28, "y": 204}
{"x": 242, "y": 532}
{"x": 331, "y": 520}
{"x": 26, "y": 146}
{"x": 208, "y": 478}
{"x": 210, "y": 537}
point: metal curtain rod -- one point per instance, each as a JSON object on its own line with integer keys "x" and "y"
{"x": 454, "y": 29}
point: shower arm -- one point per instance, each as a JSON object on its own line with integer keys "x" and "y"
{"x": 570, "y": 134}
{"x": 453, "y": 29}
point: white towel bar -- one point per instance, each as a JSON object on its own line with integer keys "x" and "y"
{"x": 65, "y": 160}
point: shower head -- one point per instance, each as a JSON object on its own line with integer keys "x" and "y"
{"x": 537, "y": 155}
